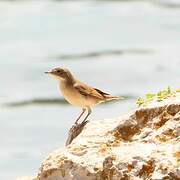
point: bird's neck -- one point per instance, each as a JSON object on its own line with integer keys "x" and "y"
{"x": 69, "y": 80}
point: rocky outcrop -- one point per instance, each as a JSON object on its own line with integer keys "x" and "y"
{"x": 141, "y": 145}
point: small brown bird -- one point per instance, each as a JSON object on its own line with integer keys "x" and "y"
{"x": 78, "y": 93}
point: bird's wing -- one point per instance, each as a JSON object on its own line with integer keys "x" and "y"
{"x": 101, "y": 92}
{"x": 89, "y": 91}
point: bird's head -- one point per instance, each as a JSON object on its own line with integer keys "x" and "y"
{"x": 60, "y": 73}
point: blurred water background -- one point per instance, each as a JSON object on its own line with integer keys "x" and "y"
{"x": 127, "y": 48}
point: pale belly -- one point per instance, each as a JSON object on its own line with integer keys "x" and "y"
{"x": 75, "y": 98}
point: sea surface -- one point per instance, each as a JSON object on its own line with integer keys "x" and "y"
{"x": 127, "y": 48}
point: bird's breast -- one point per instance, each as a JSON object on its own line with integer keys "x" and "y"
{"x": 73, "y": 96}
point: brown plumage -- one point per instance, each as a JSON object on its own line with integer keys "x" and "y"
{"x": 78, "y": 93}
{"x": 94, "y": 92}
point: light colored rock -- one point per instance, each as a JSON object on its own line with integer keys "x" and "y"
{"x": 141, "y": 145}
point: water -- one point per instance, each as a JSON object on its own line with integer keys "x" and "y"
{"x": 126, "y": 48}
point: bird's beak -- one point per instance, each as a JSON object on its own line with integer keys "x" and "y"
{"x": 47, "y": 72}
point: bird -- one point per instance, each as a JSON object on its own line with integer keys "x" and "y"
{"x": 78, "y": 93}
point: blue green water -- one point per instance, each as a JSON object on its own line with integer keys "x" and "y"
{"x": 125, "y": 48}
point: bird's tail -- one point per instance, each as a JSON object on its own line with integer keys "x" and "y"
{"x": 109, "y": 98}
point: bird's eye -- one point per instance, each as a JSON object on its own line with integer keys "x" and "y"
{"x": 58, "y": 71}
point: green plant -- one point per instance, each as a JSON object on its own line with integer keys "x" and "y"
{"x": 160, "y": 96}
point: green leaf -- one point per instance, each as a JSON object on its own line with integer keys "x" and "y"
{"x": 169, "y": 89}
{"x": 140, "y": 101}
{"x": 150, "y": 95}
{"x": 178, "y": 90}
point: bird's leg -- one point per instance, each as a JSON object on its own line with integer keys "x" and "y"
{"x": 89, "y": 112}
{"x": 83, "y": 111}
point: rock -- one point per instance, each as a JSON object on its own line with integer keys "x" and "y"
{"x": 143, "y": 144}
